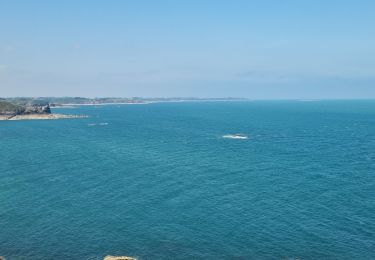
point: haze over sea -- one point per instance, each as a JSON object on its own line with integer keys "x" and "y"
{"x": 158, "y": 181}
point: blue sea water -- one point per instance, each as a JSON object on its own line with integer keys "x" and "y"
{"x": 158, "y": 181}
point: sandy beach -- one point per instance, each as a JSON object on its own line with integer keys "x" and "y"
{"x": 39, "y": 117}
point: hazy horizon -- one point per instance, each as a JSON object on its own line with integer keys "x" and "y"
{"x": 250, "y": 49}
{"x": 194, "y": 97}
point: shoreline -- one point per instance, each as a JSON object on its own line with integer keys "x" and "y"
{"x": 40, "y": 117}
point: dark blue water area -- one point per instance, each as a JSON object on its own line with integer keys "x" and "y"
{"x": 159, "y": 181}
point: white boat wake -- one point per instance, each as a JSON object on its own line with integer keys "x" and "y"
{"x": 236, "y": 136}
{"x": 100, "y": 124}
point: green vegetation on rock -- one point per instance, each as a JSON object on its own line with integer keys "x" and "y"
{"x": 19, "y": 108}
{"x": 8, "y": 108}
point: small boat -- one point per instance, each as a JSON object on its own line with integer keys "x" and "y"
{"x": 236, "y": 136}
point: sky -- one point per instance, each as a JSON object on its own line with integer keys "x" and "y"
{"x": 264, "y": 49}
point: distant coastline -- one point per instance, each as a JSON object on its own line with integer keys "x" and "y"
{"x": 74, "y": 101}
{"x": 73, "y": 105}
{"x": 30, "y": 108}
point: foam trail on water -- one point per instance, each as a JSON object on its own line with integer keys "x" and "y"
{"x": 235, "y": 136}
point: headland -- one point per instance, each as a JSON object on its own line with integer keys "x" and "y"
{"x": 30, "y": 110}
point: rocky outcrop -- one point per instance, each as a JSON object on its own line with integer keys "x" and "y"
{"x": 11, "y": 109}
{"x": 37, "y": 109}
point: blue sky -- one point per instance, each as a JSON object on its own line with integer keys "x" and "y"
{"x": 209, "y": 48}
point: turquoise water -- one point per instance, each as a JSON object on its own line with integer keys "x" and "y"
{"x": 158, "y": 181}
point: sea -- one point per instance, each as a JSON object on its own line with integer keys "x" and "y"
{"x": 168, "y": 181}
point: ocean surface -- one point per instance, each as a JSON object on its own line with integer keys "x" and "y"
{"x": 159, "y": 181}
